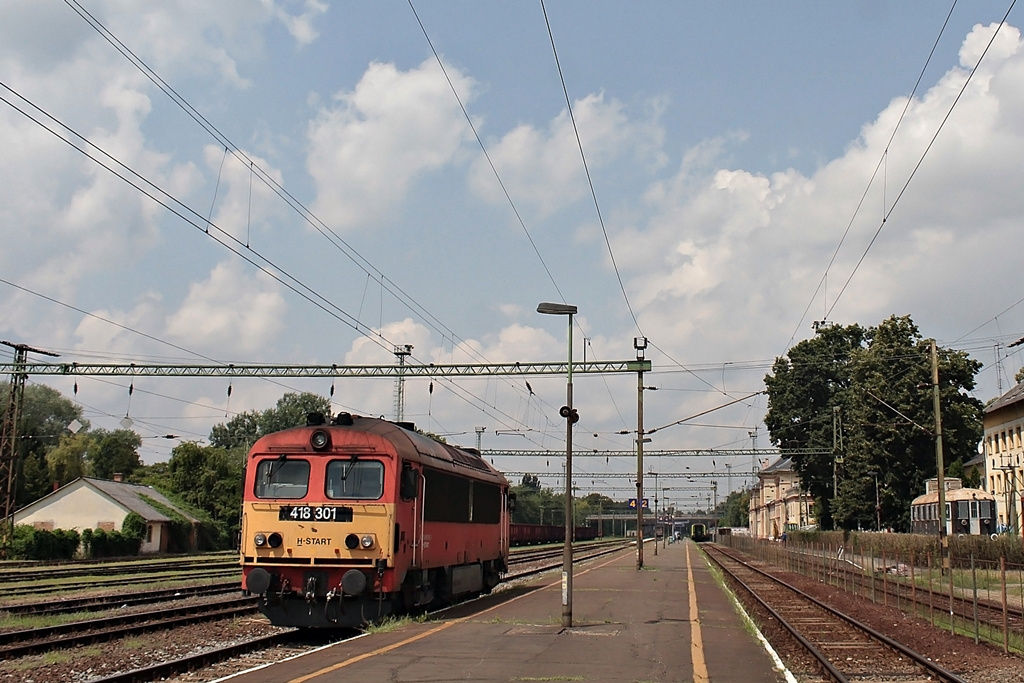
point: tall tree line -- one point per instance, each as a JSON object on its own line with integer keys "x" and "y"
{"x": 862, "y": 399}
{"x": 205, "y": 478}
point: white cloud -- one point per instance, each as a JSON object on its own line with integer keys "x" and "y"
{"x": 366, "y": 151}
{"x": 232, "y": 311}
{"x": 544, "y": 168}
{"x": 300, "y": 25}
{"x": 763, "y": 243}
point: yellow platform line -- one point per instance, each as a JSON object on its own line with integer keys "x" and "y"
{"x": 700, "y": 667}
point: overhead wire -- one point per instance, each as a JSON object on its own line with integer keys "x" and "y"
{"x": 586, "y": 167}
{"x": 597, "y": 206}
{"x": 871, "y": 180}
{"x": 322, "y": 228}
{"x": 483, "y": 149}
{"x": 924, "y": 154}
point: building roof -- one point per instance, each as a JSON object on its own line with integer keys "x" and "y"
{"x": 131, "y": 497}
{"x": 1012, "y": 396}
{"x": 976, "y": 461}
{"x": 780, "y": 465}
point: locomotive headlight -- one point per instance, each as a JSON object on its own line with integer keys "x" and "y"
{"x": 260, "y": 540}
{"x": 320, "y": 440}
{"x": 366, "y": 542}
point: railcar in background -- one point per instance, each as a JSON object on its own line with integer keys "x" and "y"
{"x": 535, "y": 534}
{"x": 349, "y": 521}
{"x": 968, "y": 511}
{"x": 699, "y": 533}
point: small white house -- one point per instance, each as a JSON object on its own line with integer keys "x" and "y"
{"x": 88, "y": 503}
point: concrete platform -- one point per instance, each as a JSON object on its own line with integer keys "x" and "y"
{"x": 669, "y": 622}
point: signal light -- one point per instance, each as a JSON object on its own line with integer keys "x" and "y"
{"x": 570, "y": 414}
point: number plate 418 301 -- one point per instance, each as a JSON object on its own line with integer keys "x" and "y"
{"x": 314, "y": 513}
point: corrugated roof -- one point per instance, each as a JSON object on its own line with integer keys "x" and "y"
{"x": 131, "y": 497}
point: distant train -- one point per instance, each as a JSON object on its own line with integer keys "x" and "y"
{"x": 534, "y": 534}
{"x": 347, "y": 522}
{"x": 699, "y": 533}
{"x": 968, "y": 511}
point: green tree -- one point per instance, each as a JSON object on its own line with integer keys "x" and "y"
{"x": 807, "y": 391}
{"x": 45, "y": 416}
{"x": 114, "y": 452}
{"x": 880, "y": 393}
{"x": 209, "y": 479}
{"x": 735, "y": 511}
{"x": 66, "y": 461}
{"x": 291, "y": 410}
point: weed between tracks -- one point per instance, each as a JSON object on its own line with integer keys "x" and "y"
{"x": 389, "y": 624}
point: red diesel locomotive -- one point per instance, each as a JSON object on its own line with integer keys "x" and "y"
{"x": 347, "y": 522}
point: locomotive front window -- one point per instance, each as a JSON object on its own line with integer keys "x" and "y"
{"x": 282, "y": 478}
{"x": 355, "y": 479}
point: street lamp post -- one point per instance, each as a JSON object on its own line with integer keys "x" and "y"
{"x": 570, "y": 416}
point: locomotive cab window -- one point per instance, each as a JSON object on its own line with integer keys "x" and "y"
{"x": 355, "y": 479}
{"x": 282, "y": 478}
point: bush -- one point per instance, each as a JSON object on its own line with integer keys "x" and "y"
{"x": 134, "y": 526}
{"x": 112, "y": 544}
{"x": 40, "y": 544}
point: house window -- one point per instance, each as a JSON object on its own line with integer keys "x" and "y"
{"x": 149, "y": 533}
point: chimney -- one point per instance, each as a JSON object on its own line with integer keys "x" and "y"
{"x": 118, "y": 477}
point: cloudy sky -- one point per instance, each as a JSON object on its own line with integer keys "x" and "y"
{"x": 305, "y": 182}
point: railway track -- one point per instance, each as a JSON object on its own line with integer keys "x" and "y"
{"x": 900, "y": 585}
{"x": 34, "y": 640}
{"x": 274, "y": 646}
{"x": 57, "y": 573}
{"x": 834, "y": 646}
{"x": 11, "y": 593}
{"x": 99, "y": 603}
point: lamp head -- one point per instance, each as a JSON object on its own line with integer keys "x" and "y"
{"x": 556, "y": 309}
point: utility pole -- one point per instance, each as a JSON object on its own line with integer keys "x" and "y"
{"x": 640, "y": 344}
{"x": 940, "y": 465}
{"x": 837, "y": 449}
{"x": 9, "y": 440}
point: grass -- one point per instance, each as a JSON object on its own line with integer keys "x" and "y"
{"x": 393, "y": 623}
{"x": 49, "y": 659}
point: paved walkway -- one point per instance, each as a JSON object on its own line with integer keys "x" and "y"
{"x": 628, "y": 625}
